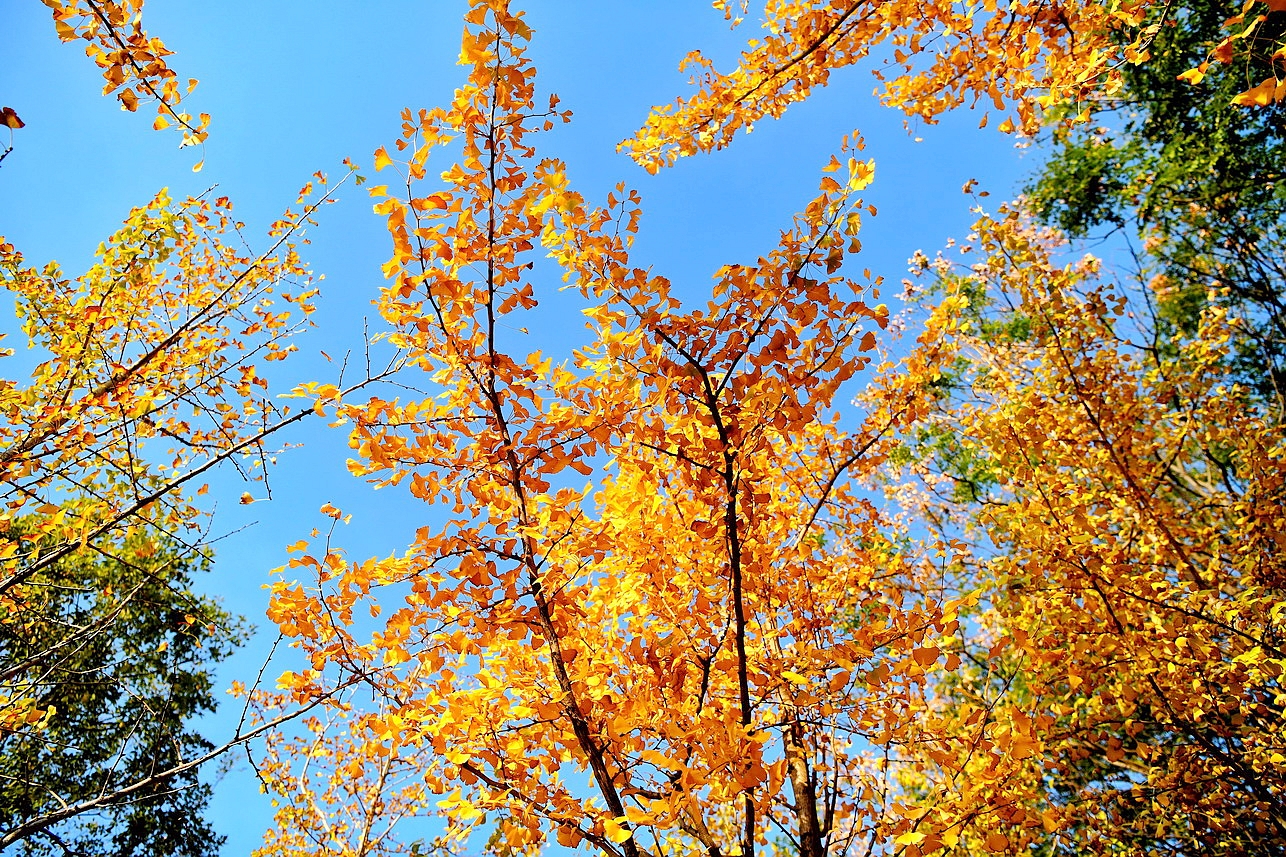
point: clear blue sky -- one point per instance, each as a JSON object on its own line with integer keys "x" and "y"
{"x": 295, "y": 87}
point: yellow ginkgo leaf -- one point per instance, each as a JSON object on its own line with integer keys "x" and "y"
{"x": 615, "y": 829}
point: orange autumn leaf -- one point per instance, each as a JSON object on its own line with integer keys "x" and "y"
{"x": 1262, "y": 95}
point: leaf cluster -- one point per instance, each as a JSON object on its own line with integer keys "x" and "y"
{"x": 1173, "y": 159}
{"x": 107, "y": 656}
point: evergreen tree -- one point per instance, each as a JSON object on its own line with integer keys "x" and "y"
{"x": 110, "y": 655}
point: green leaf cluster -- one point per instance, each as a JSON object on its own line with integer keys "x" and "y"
{"x": 115, "y": 650}
{"x": 1196, "y": 177}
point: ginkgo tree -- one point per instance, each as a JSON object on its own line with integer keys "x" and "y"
{"x": 1116, "y": 507}
{"x": 664, "y": 656}
{"x": 1122, "y": 694}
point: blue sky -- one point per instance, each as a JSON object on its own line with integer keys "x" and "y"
{"x": 296, "y": 87}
